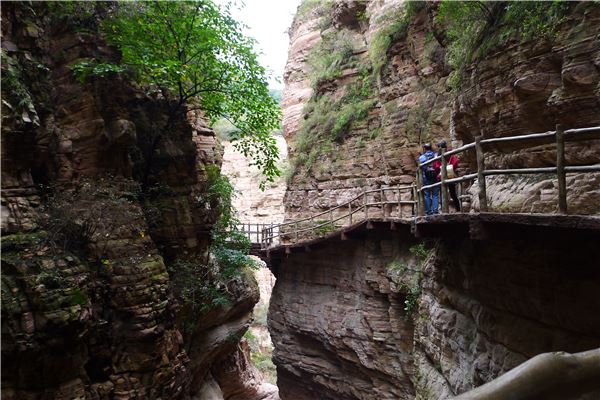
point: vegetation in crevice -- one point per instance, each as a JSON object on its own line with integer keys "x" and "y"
{"x": 25, "y": 92}
{"x": 409, "y": 275}
{"x": 394, "y": 26}
{"x": 261, "y": 357}
{"x": 322, "y": 8}
{"x": 204, "y": 287}
{"x": 330, "y": 114}
{"x": 474, "y": 28}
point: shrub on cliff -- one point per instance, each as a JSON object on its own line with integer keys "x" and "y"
{"x": 473, "y": 28}
{"x": 195, "y": 55}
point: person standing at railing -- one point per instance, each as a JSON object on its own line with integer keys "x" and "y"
{"x": 451, "y": 171}
{"x": 430, "y": 174}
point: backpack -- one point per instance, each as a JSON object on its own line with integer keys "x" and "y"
{"x": 429, "y": 170}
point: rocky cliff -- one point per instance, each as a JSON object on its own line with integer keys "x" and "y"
{"x": 389, "y": 99}
{"x": 400, "y": 318}
{"x": 252, "y": 204}
{"x": 95, "y": 237}
{"x": 384, "y": 316}
{"x": 355, "y": 118}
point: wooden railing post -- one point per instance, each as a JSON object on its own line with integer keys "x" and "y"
{"x": 366, "y": 206}
{"x": 350, "y": 211}
{"x": 382, "y": 203}
{"x": 399, "y": 203}
{"x": 480, "y": 176}
{"x": 415, "y": 204}
{"x": 420, "y": 195}
{"x": 296, "y": 231}
{"x": 560, "y": 170}
{"x": 271, "y": 234}
{"x": 443, "y": 189}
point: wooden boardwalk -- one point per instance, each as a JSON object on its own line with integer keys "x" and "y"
{"x": 402, "y": 206}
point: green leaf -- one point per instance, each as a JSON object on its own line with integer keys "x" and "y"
{"x": 197, "y": 51}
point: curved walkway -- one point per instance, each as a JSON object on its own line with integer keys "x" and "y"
{"x": 403, "y": 205}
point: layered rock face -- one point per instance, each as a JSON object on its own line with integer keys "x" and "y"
{"x": 477, "y": 308}
{"x": 411, "y": 103}
{"x": 516, "y": 89}
{"x": 529, "y": 88}
{"x": 338, "y": 323}
{"x": 89, "y": 309}
{"x": 252, "y": 204}
{"x": 341, "y": 330}
{"x": 488, "y": 306}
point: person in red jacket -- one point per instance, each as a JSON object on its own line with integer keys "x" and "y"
{"x": 452, "y": 173}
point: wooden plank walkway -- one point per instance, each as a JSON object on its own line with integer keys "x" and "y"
{"x": 403, "y": 205}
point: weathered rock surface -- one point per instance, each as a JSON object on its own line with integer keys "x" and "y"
{"x": 98, "y": 318}
{"x": 409, "y": 96}
{"x": 520, "y": 88}
{"x": 529, "y": 88}
{"x": 340, "y": 328}
{"x": 337, "y": 315}
{"x": 252, "y": 204}
{"x": 338, "y": 323}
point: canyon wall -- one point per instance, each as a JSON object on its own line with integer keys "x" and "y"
{"x": 383, "y": 316}
{"x": 397, "y": 52}
{"x": 410, "y": 101}
{"x": 98, "y": 225}
{"x": 529, "y": 87}
{"x": 377, "y": 316}
{"x": 252, "y": 204}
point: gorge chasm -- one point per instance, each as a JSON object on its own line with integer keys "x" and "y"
{"x": 383, "y": 312}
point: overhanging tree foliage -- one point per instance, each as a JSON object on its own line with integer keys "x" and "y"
{"x": 196, "y": 51}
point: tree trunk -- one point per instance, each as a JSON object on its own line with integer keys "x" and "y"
{"x": 557, "y": 375}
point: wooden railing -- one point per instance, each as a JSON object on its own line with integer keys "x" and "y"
{"x": 376, "y": 203}
{"x": 254, "y": 231}
{"x": 365, "y": 205}
{"x": 559, "y": 136}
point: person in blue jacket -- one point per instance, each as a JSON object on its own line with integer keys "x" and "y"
{"x": 430, "y": 174}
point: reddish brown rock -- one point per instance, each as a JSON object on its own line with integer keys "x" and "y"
{"x": 93, "y": 314}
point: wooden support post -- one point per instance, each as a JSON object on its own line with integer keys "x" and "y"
{"x": 366, "y": 207}
{"x": 560, "y": 170}
{"x": 480, "y": 176}
{"x": 443, "y": 188}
